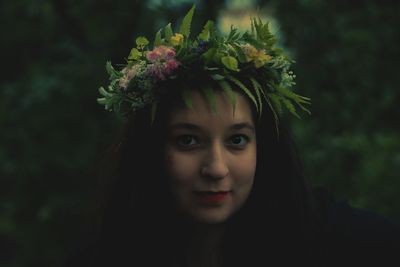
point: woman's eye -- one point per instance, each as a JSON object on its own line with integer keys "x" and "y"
{"x": 186, "y": 141}
{"x": 239, "y": 140}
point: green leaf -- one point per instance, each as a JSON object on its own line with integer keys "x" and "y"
{"x": 141, "y": 41}
{"x": 210, "y": 95}
{"x": 245, "y": 90}
{"x": 134, "y": 54}
{"x": 187, "y": 98}
{"x": 210, "y": 68}
{"x": 217, "y": 77}
{"x": 304, "y": 108}
{"x": 217, "y": 57}
{"x": 300, "y": 100}
{"x": 258, "y": 89}
{"x": 157, "y": 39}
{"x": 290, "y": 107}
{"x": 273, "y": 112}
{"x": 101, "y": 101}
{"x": 186, "y": 22}
{"x": 233, "y": 35}
{"x": 205, "y": 33}
{"x": 253, "y": 32}
{"x": 229, "y": 92}
{"x": 168, "y": 32}
{"x": 230, "y": 63}
{"x": 263, "y": 34}
{"x": 276, "y": 101}
{"x": 208, "y": 56}
{"x": 112, "y": 72}
{"x": 241, "y": 56}
{"x": 103, "y": 92}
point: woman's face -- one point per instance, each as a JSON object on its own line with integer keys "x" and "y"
{"x": 211, "y": 157}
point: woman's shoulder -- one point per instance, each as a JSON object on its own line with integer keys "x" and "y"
{"x": 354, "y": 233}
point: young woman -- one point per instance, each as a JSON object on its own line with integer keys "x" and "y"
{"x": 206, "y": 174}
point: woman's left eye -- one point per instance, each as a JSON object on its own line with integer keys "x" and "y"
{"x": 239, "y": 140}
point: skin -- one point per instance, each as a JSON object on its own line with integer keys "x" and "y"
{"x": 204, "y": 153}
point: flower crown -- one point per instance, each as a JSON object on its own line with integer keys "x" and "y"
{"x": 247, "y": 61}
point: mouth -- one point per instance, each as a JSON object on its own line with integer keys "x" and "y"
{"x": 212, "y": 197}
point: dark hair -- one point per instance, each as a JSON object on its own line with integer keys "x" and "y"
{"x": 138, "y": 217}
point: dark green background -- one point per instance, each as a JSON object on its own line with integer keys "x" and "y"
{"x": 53, "y": 133}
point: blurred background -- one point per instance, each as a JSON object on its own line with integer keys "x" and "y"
{"x": 53, "y": 132}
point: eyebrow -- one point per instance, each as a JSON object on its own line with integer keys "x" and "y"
{"x": 191, "y": 126}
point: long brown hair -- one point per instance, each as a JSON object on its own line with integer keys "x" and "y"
{"x": 138, "y": 208}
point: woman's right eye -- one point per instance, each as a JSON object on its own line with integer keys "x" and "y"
{"x": 186, "y": 141}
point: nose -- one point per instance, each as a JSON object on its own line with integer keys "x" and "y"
{"x": 215, "y": 163}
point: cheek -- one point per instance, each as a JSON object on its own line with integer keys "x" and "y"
{"x": 244, "y": 169}
{"x": 180, "y": 169}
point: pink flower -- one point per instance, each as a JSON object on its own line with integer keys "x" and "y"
{"x": 169, "y": 54}
{"x": 156, "y": 70}
{"x": 161, "y": 53}
{"x": 163, "y": 62}
{"x": 153, "y": 55}
{"x": 170, "y": 66}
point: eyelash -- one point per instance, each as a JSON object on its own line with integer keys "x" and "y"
{"x": 187, "y": 147}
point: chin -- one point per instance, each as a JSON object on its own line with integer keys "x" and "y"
{"x": 210, "y": 218}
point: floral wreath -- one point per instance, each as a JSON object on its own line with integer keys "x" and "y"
{"x": 248, "y": 61}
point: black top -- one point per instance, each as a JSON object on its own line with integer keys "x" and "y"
{"x": 348, "y": 237}
{"x": 354, "y": 236}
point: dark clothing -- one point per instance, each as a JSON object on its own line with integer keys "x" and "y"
{"x": 358, "y": 237}
{"x": 347, "y": 236}
{"x": 353, "y": 236}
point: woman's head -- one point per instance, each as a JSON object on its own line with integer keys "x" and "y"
{"x": 167, "y": 168}
{"x": 228, "y": 166}
{"x": 210, "y": 157}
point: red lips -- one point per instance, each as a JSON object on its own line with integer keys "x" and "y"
{"x": 210, "y": 197}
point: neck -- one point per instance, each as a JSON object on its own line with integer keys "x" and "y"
{"x": 204, "y": 248}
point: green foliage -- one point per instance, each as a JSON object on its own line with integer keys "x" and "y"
{"x": 346, "y": 61}
{"x": 207, "y": 29}
{"x": 230, "y": 63}
{"x": 245, "y": 90}
{"x": 221, "y": 57}
{"x": 210, "y": 96}
{"x": 168, "y": 32}
{"x": 186, "y": 23}
{"x": 229, "y": 92}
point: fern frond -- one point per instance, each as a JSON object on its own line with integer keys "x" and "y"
{"x": 186, "y": 23}
{"x": 290, "y": 107}
{"x": 210, "y": 95}
{"x": 245, "y": 90}
{"x": 229, "y": 92}
{"x": 168, "y": 32}
{"x": 257, "y": 88}
{"x": 276, "y": 101}
{"x": 157, "y": 39}
{"x": 112, "y": 72}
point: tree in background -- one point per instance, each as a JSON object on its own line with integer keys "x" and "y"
{"x": 346, "y": 57}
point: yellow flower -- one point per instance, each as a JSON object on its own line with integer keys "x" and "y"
{"x": 177, "y": 39}
{"x": 250, "y": 52}
{"x": 257, "y": 56}
{"x": 261, "y": 59}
